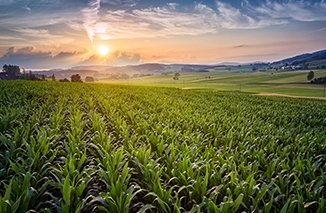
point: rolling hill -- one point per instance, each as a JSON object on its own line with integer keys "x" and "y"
{"x": 303, "y": 58}
{"x": 122, "y": 72}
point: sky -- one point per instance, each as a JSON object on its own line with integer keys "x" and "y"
{"x": 46, "y": 34}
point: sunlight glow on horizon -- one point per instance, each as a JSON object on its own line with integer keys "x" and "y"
{"x": 103, "y": 50}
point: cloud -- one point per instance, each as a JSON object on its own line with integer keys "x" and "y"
{"x": 75, "y": 25}
{"x": 27, "y": 56}
{"x": 160, "y": 21}
{"x": 122, "y": 19}
{"x": 123, "y": 58}
{"x": 26, "y": 8}
{"x": 32, "y": 32}
{"x": 41, "y": 36}
{"x": 116, "y": 58}
{"x": 294, "y": 10}
{"x": 9, "y": 38}
{"x": 124, "y": 3}
{"x": 31, "y": 57}
{"x": 321, "y": 29}
{"x": 91, "y": 17}
{"x": 240, "y": 46}
{"x": 244, "y": 17}
{"x": 231, "y": 17}
{"x": 172, "y": 19}
{"x": 71, "y": 57}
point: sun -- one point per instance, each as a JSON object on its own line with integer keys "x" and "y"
{"x": 103, "y": 50}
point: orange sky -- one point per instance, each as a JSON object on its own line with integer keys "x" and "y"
{"x": 60, "y": 34}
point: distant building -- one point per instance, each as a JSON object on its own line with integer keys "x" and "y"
{"x": 89, "y": 79}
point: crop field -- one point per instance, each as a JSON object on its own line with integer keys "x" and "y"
{"x": 77, "y": 147}
{"x": 293, "y": 83}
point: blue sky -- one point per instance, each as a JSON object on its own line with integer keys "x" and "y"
{"x": 58, "y": 33}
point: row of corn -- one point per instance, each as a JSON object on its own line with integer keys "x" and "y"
{"x": 104, "y": 148}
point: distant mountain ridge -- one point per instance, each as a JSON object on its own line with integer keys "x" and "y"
{"x": 303, "y": 58}
{"x": 141, "y": 70}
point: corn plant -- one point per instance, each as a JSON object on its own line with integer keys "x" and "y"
{"x": 113, "y": 148}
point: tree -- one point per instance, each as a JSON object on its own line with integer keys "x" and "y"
{"x": 11, "y": 70}
{"x": 310, "y": 75}
{"x": 53, "y": 77}
{"x": 176, "y": 76}
{"x": 76, "y": 78}
{"x": 30, "y": 75}
{"x": 64, "y": 80}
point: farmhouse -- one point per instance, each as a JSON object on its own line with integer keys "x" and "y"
{"x": 89, "y": 79}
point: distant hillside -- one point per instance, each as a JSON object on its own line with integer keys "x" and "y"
{"x": 301, "y": 59}
{"x": 140, "y": 69}
{"x": 124, "y": 72}
{"x": 134, "y": 71}
{"x": 155, "y": 68}
{"x": 60, "y": 74}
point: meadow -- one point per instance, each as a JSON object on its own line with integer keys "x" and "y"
{"x": 283, "y": 82}
{"x": 77, "y": 147}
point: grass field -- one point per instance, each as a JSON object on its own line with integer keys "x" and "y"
{"x": 293, "y": 83}
{"x": 77, "y": 147}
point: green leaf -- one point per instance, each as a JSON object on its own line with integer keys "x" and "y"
{"x": 66, "y": 192}
{"x": 145, "y": 208}
{"x": 237, "y": 202}
{"x": 8, "y": 192}
{"x": 14, "y": 167}
{"x": 285, "y": 207}
{"x": 268, "y": 206}
{"x": 102, "y": 208}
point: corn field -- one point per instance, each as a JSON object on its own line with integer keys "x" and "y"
{"x": 69, "y": 147}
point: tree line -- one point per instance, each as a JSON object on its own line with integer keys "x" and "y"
{"x": 13, "y": 72}
{"x": 311, "y": 75}
{"x": 321, "y": 80}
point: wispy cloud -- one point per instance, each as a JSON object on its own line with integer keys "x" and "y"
{"x": 164, "y": 21}
{"x": 75, "y": 25}
{"x": 294, "y": 10}
{"x": 9, "y": 38}
{"x": 91, "y": 17}
{"x": 41, "y": 36}
{"x": 321, "y": 29}
{"x": 171, "y": 20}
{"x": 127, "y": 3}
{"x": 244, "y": 17}
{"x": 26, "y": 8}
{"x": 161, "y": 21}
{"x": 240, "y": 46}
{"x": 32, "y": 32}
